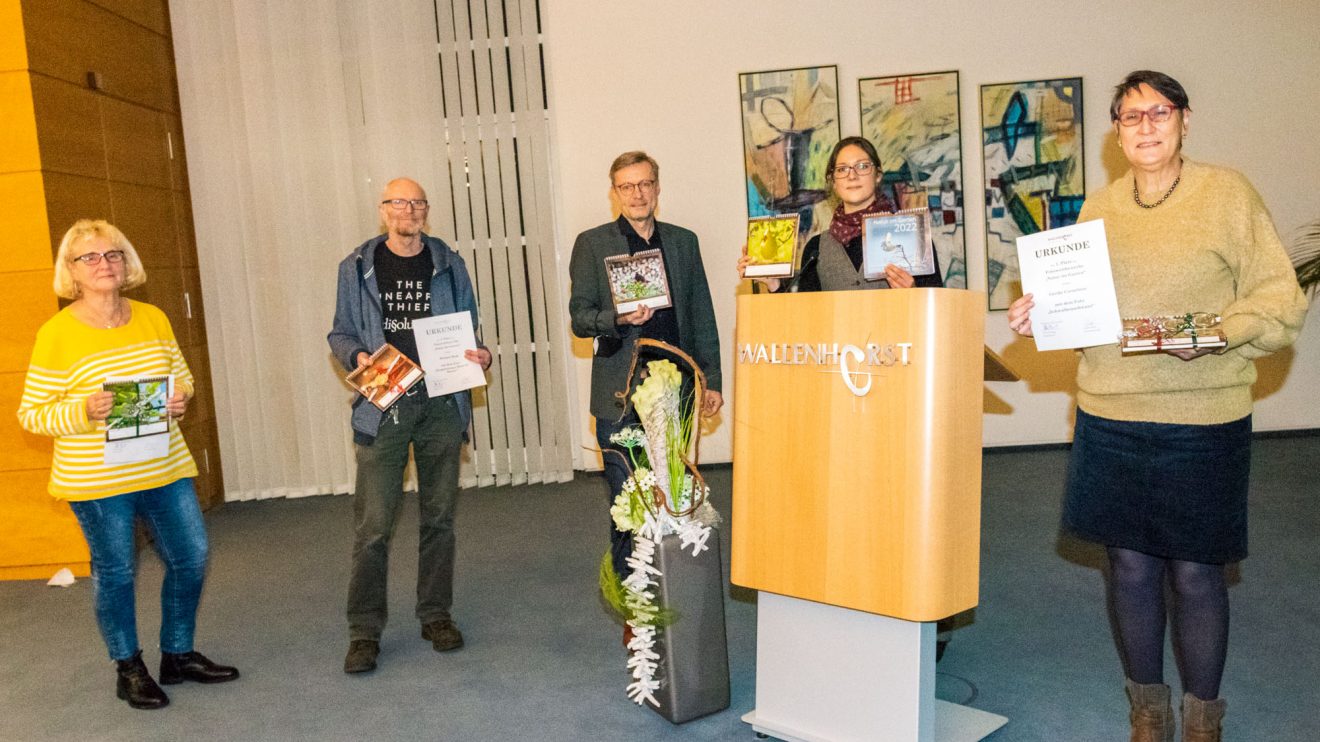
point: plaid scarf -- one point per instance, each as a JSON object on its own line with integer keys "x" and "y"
{"x": 847, "y": 227}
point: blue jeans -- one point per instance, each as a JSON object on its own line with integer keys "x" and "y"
{"x": 434, "y": 429}
{"x": 175, "y": 521}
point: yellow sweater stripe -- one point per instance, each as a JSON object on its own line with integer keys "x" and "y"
{"x": 70, "y": 362}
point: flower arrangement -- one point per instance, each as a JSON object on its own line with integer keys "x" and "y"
{"x": 664, "y": 495}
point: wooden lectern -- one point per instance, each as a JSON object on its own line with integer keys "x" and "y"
{"x": 857, "y": 505}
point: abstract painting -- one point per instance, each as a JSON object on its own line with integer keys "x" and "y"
{"x": 914, "y": 123}
{"x": 1034, "y": 178}
{"x": 790, "y": 122}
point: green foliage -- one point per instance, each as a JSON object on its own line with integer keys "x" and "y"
{"x": 615, "y": 597}
{"x": 638, "y": 290}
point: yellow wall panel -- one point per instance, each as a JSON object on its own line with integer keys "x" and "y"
{"x": 18, "y": 124}
{"x": 38, "y": 534}
{"x": 44, "y": 571}
{"x": 22, "y": 450}
{"x": 30, "y": 302}
{"x": 13, "y": 44}
{"x": 23, "y": 222}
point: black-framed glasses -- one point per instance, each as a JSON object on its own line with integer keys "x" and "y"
{"x": 94, "y": 258}
{"x": 399, "y": 204}
{"x": 861, "y": 168}
{"x": 628, "y": 189}
{"x": 1157, "y": 114}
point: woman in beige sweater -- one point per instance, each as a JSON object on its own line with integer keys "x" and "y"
{"x": 1161, "y": 448}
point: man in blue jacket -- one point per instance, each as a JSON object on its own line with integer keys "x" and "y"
{"x": 385, "y": 284}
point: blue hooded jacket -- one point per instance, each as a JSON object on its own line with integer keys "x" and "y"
{"x": 359, "y": 325}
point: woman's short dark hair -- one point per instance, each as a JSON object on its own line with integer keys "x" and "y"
{"x": 862, "y": 142}
{"x": 1158, "y": 81}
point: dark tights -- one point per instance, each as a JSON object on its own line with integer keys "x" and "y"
{"x": 1200, "y": 618}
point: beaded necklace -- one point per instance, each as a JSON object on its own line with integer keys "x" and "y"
{"x": 1136, "y": 195}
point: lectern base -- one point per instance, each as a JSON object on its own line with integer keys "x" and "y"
{"x": 831, "y": 674}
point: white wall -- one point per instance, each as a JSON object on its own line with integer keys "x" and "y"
{"x": 664, "y": 77}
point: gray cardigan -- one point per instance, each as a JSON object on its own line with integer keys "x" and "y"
{"x": 592, "y": 312}
{"x": 359, "y": 324}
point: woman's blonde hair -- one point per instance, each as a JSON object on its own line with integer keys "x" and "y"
{"x": 85, "y": 229}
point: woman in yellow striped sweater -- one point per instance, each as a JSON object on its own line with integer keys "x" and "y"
{"x": 101, "y": 335}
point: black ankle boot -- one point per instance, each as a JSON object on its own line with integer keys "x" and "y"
{"x": 176, "y": 668}
{"x": 136, "y": 686}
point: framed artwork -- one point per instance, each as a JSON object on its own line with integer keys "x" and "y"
{"x": 915, "y": 124}
{"x": 1031, "y": 138}
{"x": 790, "y": 122}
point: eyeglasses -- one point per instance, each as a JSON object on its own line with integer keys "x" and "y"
{"x": 861, "y": 168}
{"x": 644, "y": 186}
{"x": 94, "y": 258}
{"x": 1157, "y": 115}
{"x": 399, "y": 204}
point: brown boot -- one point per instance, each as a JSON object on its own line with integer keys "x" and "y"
{"x": 1201, "y": 719}
{"x": 1152, "y": 714}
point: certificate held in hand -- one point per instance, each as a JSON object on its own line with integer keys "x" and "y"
{"x": 441, "y": 342}
{"x": 1067, "y": 270}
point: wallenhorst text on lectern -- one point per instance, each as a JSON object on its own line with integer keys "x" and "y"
{"x": 845, "y": 356}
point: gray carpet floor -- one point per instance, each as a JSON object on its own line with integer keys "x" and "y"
{"x": 543, "y": 662}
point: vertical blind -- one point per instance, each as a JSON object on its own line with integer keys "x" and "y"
{"x": 295, "y": 116}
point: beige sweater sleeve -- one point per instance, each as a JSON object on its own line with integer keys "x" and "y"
{"x": 1270, "y": 307}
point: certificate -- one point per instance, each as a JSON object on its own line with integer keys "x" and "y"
{"x": 440, "y": 344}
{"x": 1067, "y": 269}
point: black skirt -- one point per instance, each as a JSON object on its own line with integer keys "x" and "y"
{"x": 1171, "y": 491}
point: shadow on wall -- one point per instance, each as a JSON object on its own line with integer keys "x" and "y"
{"x": 1271, "y": 373}
{"x": 1112, "y": 158}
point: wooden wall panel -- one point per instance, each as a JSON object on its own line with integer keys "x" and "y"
{"x": 135, "y": 146}
{"x": 177, "y": 154}
{"x": 69, "y": 38}
{"x": 192, "y": 284}
{"x": 70, "y": 131}
{"x": 164, "y": 289}
{"x": 23, "y": 222}
{"x": 30, "y": 301}
{"x": 73, "y": 197}
{"x": 23, "y": 450}
{"x": 153, "y": 14}
{"x": 185, "y": 233}
{"x": 38, "y": 534}
{"x": 202, "y": 443}
{"x": 203, "y": 407}
{"x": 146, "y": 216}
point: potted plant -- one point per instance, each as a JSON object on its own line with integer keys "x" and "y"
{"x": 673, "y": 600}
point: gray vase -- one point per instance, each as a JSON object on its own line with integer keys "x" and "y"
{"x": 694, "y": 657}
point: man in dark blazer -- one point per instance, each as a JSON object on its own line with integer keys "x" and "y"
{"x": 689, "y": 324}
